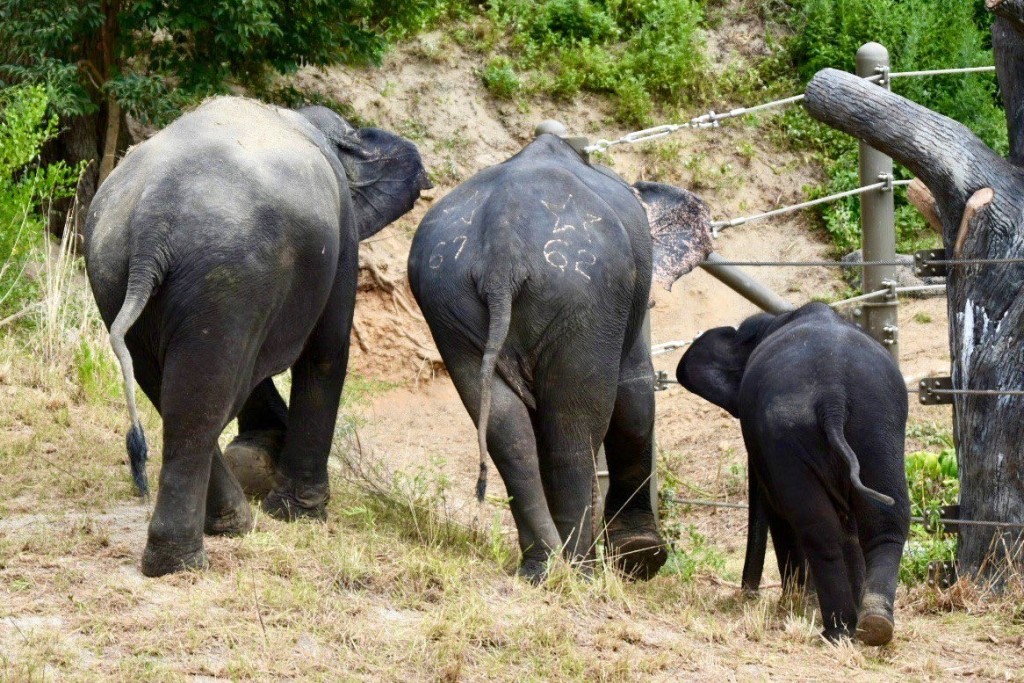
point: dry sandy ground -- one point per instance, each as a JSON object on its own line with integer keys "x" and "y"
{"x": 385, "y": 594}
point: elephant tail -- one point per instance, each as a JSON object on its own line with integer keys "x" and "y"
{"x": 834, "y": 432}
{"x": 140, "y": 288}
{"x": 499, "y": 308}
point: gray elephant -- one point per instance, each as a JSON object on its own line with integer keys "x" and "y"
{"x": 823, "y": 410}
{"x": 221, "y": 252}
{"x": 534, "y": 277}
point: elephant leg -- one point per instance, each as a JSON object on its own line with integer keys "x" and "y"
{"x": 301, "y": 487}
{"x": 254, "y": 453}
{"x": 633, "y": 537}
{"x": 820, "y": 534}
{"x": 572, "y": 420}
{"x": 195, "y": 406}
{"x": 227, "y": 507}
{"x": 227, "y": 510}
{"x": 790, "y": 558}
{"x": 881, "y": 537}
{"x": 757, "y": 534}
{"x": 513, "y": 448}
{"x": 882, "y": 532}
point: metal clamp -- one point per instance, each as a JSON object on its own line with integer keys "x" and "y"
{"x": 923, "y": 266}
{"x": 883, "y": 71}
{"x": 887, "y": 182}
{"x": 934, "y": 391}
{"x": 662, "y": 380}
{"x": 890, "y": 335}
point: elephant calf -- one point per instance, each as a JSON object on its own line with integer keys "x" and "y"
{"x": 223, "y": 251}
{"x": 823, "y": 410}
{"x": 534, "y": 277}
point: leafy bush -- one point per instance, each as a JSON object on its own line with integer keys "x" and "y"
{"x": 500, "y": 78}
{"x": 920, "y": 34}
{"x": 26, "y": 188}
{"x": 639, "y": 51}
{"x": 932, "y": 479}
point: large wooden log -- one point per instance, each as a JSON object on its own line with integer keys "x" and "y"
{"x": 980, "y": 201}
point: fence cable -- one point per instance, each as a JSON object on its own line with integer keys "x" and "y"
{"x": 862, "y": 264}
{"x": 712, "y": 119}
{"x": 915, "y": 518}
{"x": 884, "y": 186}
{"x": 942, "y": 72}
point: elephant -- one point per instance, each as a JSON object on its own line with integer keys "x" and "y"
{"x": 823, "y": 411}
{"x": 534, "y": 277}
{"x": 223, "y": 251}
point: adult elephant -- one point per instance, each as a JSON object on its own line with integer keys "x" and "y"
{"x": 221, "y": 252}
{"x": 823, "y": 410}
{"x": 534, "y": 277}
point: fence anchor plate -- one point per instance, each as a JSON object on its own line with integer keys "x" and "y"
{"x": 927, "y": 395}
{"x": 924, "y": 269}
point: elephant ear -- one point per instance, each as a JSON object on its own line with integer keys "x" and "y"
{"x": 713, "y": 368}
{"x": 680, "y": 225}
{"x": 384, "y": 170}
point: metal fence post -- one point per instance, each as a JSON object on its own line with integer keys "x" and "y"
{"x": 880, "y": 318}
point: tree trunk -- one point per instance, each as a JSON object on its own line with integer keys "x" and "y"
{"x": 1008, "y": 48}
{"x": 986, "y": 302}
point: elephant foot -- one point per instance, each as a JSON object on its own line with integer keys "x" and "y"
{"x": 834, "y": 635}
{"x": 636, "y": 547}
{"x": 235, "y": 521}
{"x": 533, "y": 570}
{"x": 159, "y": 559}
{"x": 251, "y": 458}
{"x": 291, "y": 500}
{"x": 875, "y": 622}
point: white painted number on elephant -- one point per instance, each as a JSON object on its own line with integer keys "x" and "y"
{"x": 436, "y": 257}
{"x": 572, "y": 228}
{"x": 438, "y": 253}
{"x": 554, "y": 256}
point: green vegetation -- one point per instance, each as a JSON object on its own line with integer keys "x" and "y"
{"x": 932, "y": 478}
{"x": 637, "y": 51}
{"x": 26, "y": 188}
{"x": 920, "y": 34}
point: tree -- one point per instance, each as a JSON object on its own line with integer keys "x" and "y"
{"x": 101, "y": 59}
{"x": 978, "y": 197}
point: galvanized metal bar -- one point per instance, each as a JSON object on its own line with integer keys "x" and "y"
{"x": 746, "y": 286}
{"x": 877, "y": 220}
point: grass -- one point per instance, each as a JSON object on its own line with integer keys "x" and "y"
{"x": 393, "y": 586}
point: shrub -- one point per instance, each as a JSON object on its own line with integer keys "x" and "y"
{"x": 932, "y": 479}
{"x": 500, "y": 78}
{"x": 639, "y": 51}
{"x": 26, "y": 188}
{"x": 920, "y": 34}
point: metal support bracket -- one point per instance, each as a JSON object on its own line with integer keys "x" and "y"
{"x": 926, "y": 391}
{"x": 922, "y": 267}
{"x": 661, "y": 380}
{"x": 883, "y": 71}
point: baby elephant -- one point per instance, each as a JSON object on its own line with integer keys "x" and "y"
{"x": 823, "y": 410}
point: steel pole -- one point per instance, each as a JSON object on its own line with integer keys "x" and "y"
{"x": 746, "y": 286}
{"x": 879, "y": 318}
